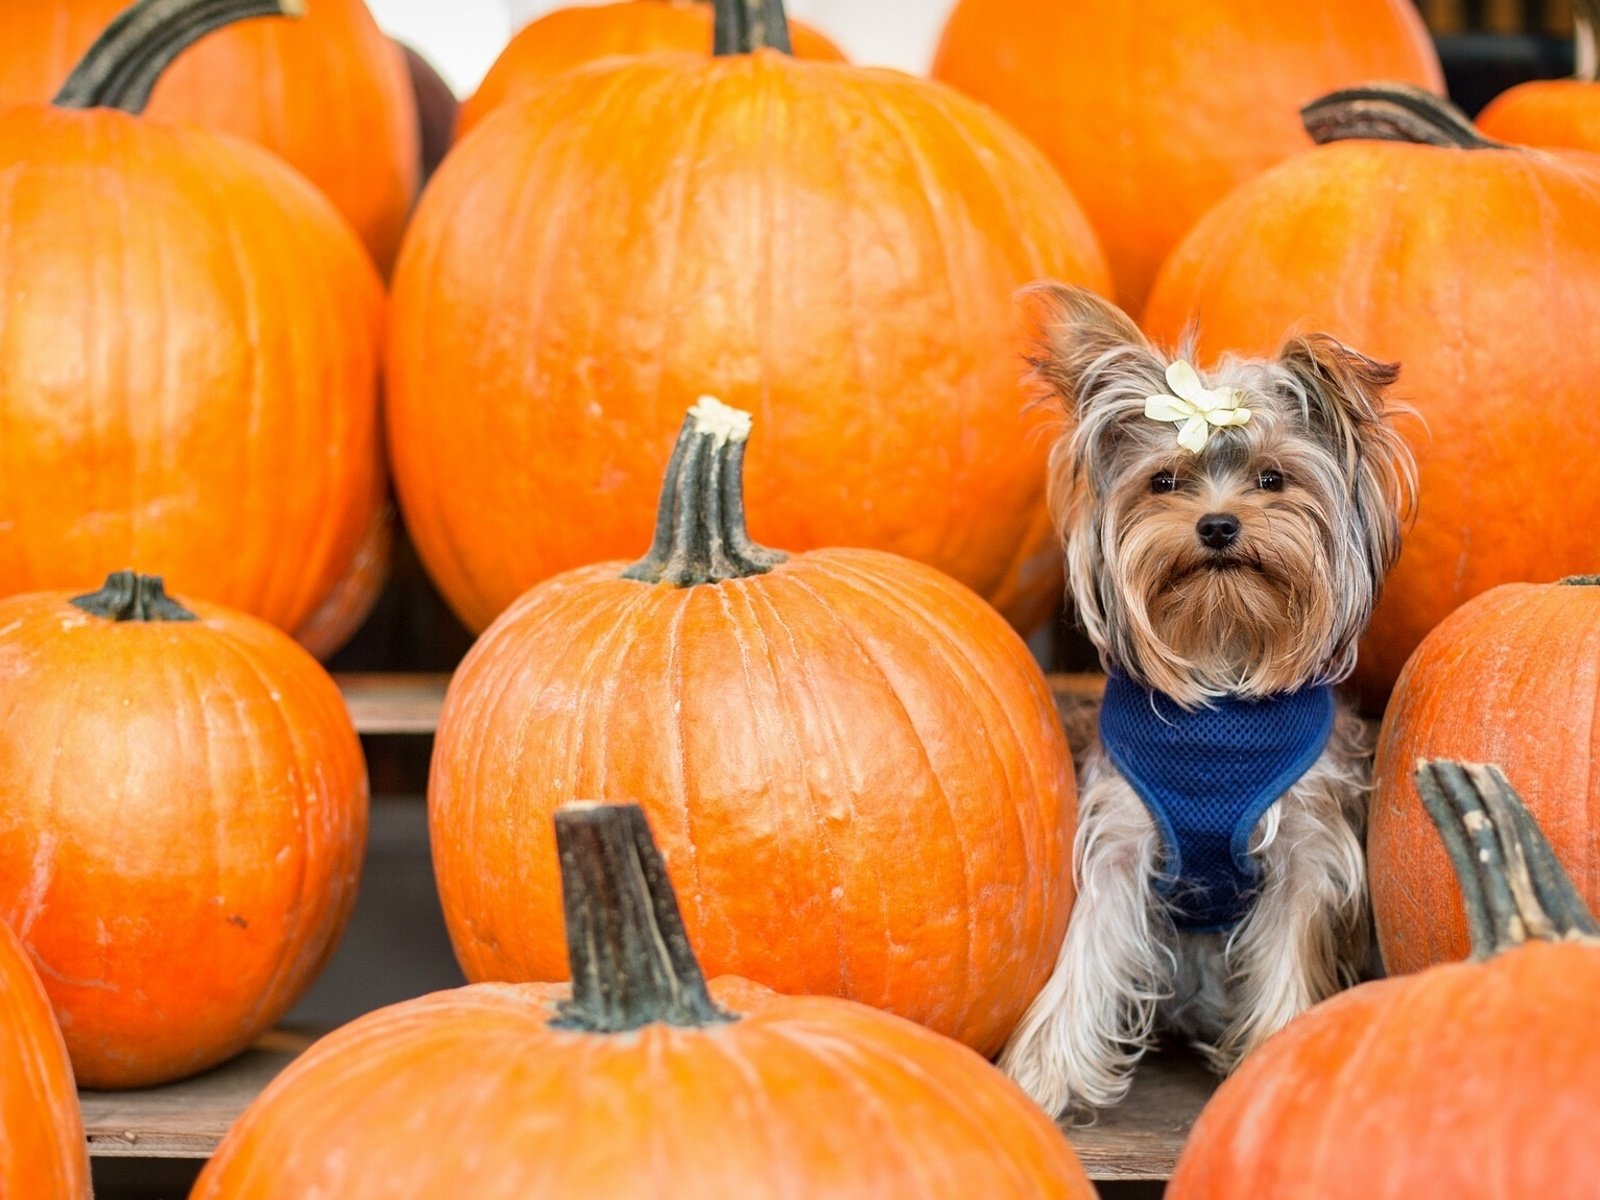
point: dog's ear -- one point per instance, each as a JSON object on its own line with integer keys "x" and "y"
{"x": 1344, "y": 390}
{"x": 1347, "y": 408}
{"x": 1080, "y": 338}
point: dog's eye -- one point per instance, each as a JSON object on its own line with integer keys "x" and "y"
{"x": 1270, "y": 481}
{"x": 1163, "y": 481}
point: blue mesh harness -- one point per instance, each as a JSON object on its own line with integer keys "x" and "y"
{"x": 1207, "y": 776}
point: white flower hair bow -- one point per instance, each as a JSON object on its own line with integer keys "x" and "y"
{"x": 1195, "y": 408}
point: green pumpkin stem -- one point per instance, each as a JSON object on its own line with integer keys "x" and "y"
{"x": 1581, "y": 581}
{"x": 1392, "y": 112}
{"x": 1513, "y": 887}
{"x": 630, "y": 957}
{"x": 700, "y": 527}
{"x": 745, "y": 26}
{"x": 126, "y": 596}
{"x": 123, "y": 66}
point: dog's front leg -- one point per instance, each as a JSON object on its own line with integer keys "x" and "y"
{"x": 1305, "y": 936}
{"x": 1077, "y": 1045}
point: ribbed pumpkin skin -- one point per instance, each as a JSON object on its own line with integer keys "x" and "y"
{"x": 189, "y": 343}
{"x": 470, "y": 1092}
{"x": 43, "y": 1155}
{"x": 571, "y": 37}
{"x": 183, "y": 810}
{"x": 1473, "y": 1081}
{"x": 1563, "y": 113}
{"x": 832, "y": 248}
{"x": 327, "y": 92}
{"x": 1512, "y": 678}
{"x": 1153, "y": 110}
{"x": 853, "y": 767}
{"x": 1471, "y": 268}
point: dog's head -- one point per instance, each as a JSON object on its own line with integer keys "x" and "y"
{"x": 1227, "y": 533}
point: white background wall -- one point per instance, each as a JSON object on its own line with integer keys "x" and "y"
{"x": 462, "y": 37}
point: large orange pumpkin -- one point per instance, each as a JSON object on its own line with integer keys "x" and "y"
{"x": 43, "y": 1155}
{"x": 1555, "y": 112}
{"x": 638, "y": 1081}
{"x": 1155, "y": 109}
{"x": 1476, "y": 1081}
{"x": 854, "y": 765}
{"x": 182, "y": 818}
{"x": 834, "y": 248}
{"x": 328, "y": 93}
{"x": 1496, "y": 682}
{"x": 1474, "y": 266}
{"x": 571, "y": 37}
{"x": 188, "y": 348}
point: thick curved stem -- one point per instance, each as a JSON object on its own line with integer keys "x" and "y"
{"x": 1392, "y": 112}
{"x": 126, "y": 596}
{"x": 630, "y": 958}
{"x": 745, "y": 26}
{"x": 700, "y": 528}
{"x": 123, "y": 66}
{"x": 1513, "y": 887}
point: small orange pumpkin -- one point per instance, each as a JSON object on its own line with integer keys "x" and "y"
{"x": 43, "y": 1155}
{"x": 1476, "y": 1080}
{"x": 639, "y": 1080}
{"x": 1154, "y": 109}
{"x": 188, "y": 373}
{"x": 570, "y": 37}
{"x": 835, "y": 248}
{"x": 1493, "y": 683}
{"x": 1473, "y": 265}
{"x": 1561, "y": 113}
{"x": 854, "y": 764}
{"x": 328, "y": 94}
{"x": 183, "y": 808}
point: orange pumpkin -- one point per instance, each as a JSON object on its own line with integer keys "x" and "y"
{"x": 328, "y": 93}
{"x": 854, "y": 765}
{"x": 188, "y": 375}
{"x": 1155, "y": 109}
{"x": 835, "y": 248}
{"x": 1554, "y": 112}
{"x": 1477, "y": 1081}
{"x": 346, "y": 608}
{"x": 571, "y": 37}
{"x": 43, "y": 1155}
{"x": 1474, "y": 266}
{"x": 638, "y": 1081}
{"x": 1492, "y": 683}
{"x": 182, "y": 817}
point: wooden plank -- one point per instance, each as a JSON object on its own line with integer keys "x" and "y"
{"x": 1138, "y": 1140}
{"x": 393, "y": 703}
{"x": 410, "y": 704}
{"x": 186, "y": 1119}
{"x": 1141, "y": 1137}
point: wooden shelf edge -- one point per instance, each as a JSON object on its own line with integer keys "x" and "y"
{"x": 393, "y": 703}
{"x": 382, "y": 703}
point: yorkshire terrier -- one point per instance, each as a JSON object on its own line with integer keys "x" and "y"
{"x": 1227, "y": 536}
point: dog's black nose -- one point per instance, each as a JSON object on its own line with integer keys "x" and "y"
{"x": 1218, "y": 530}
